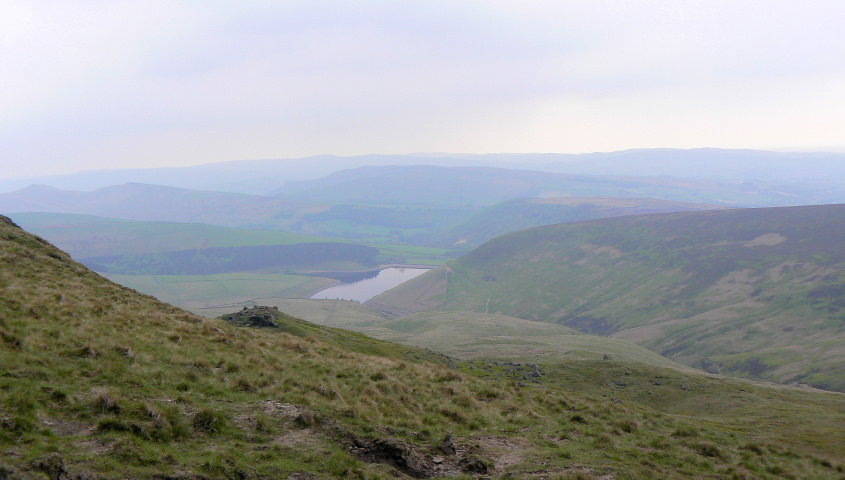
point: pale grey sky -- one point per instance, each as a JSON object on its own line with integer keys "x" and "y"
{"x": 112, "y": 84}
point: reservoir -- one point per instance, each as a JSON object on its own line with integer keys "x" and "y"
{"x": 363, "y": 290}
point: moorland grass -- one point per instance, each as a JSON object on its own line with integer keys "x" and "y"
{"x": 116, "y": 384}
{"x": 750, "y": 292}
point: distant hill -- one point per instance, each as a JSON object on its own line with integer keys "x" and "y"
{"x": 383, "y": 223}
{"x": 88, "y": 237}
{"x": 254, "y": 177}
{"x": 409, "y": 204}
{"x": 825, "y": 168}
{"x": 484, "y": 186}
{"x": 85, "y": 236}
{"x": 264, "y": 258}
{"x": 134, "y": 201}
{"x": 753, "y": 292}
{"x": 101, "y": 382}
{"x": 520, "y": 214}
{"x": 259, "y": 177}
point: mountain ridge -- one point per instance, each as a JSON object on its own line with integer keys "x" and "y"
{"x": 262, "y": 176}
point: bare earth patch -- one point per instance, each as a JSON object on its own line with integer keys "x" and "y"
{"x": 65, "y": 428}
{"x": 599, "y": 249}
{"x": 767, "y": 239}
{"x": 503, "y": 451}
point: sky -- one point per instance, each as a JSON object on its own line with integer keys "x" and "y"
{"x": 125, "y": 84}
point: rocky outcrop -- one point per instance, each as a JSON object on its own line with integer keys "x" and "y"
{"x": 257, "y": 316}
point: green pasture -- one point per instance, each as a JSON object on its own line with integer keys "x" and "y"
{"x": 196, "y": 292}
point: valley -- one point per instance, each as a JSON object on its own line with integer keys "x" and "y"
{"x": 749, "y": 292}
{"x": 170, "y": 386}
{"x": 594, "y": 335}
{"x": 454, "y": 240}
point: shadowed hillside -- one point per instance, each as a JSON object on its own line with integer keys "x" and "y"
{"x": 520, "y": 214}
{"x": 750, "y": 292}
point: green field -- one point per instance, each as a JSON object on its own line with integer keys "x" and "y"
{"x": 198, "y": 292}
{"x": 85, "y": 236}
{"x": 412, "y": 254}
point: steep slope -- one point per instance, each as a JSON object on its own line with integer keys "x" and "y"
{"x": 520, "y": 214}
{"x": 98, "y": 380}
{"x": 101, "y": 382}
{"x": 753, "y": 292}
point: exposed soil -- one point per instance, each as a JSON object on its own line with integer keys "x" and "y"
{"x": 767, "y": 239}
{"x": 485, "y": 455}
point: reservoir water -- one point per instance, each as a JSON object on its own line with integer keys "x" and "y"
{"x": 363, "y": 290}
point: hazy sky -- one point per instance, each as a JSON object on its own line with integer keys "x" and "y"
{"x": 97, "y": 84}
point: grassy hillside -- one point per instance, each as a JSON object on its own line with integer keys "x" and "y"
{"x": 750, "y": 292}
{"x": 465, "y": 335}
{"x": 101, "y": 382}
{"x": 520, "y": 214}
{"x": 470, "y": 335}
